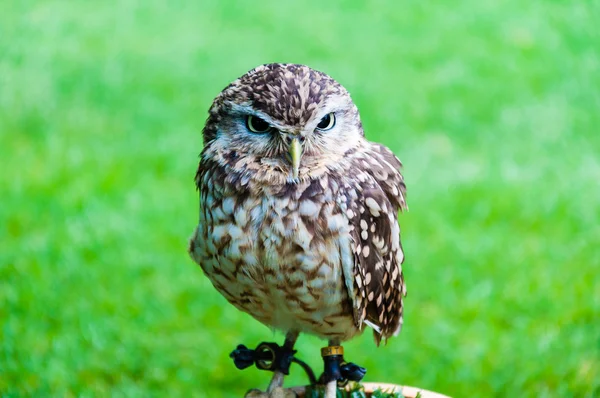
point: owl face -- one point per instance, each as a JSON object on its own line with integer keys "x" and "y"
{"x": 286, "y": 121}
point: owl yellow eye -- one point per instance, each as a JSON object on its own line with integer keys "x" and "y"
{"x": 327, "y": 122}
{"x": 257, "y": 125}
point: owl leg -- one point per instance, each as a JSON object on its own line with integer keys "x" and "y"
{"x": 279, "y": 374}
{"x": 332, "y": 357}
{"x": 336, "y": 369}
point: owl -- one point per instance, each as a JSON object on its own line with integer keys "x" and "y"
{"x": 298, "y": 210}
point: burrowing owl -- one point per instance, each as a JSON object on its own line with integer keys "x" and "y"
{"x": 298, "y": 211}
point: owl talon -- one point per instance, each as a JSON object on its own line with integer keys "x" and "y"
{"x": 352, "y": 372}
{"x": 336, "y": 369}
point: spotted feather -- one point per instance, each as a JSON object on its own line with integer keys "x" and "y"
{"x": 374, "y": 197}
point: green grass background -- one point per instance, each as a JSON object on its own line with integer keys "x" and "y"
{"x": 493, "y": 106}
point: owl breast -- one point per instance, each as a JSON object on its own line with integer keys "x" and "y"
{"x": 279, "y": 255}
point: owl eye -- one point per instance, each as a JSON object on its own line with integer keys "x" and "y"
{"x": 257, "y": 125}
{"x": 327, "y": 122}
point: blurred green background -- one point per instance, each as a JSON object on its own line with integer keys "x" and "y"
{"x": 493, "y": 106}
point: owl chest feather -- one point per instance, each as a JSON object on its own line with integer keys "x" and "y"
{"x": 280, "y": 257}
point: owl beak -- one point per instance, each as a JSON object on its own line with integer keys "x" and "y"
{"x": 295, "y": 155}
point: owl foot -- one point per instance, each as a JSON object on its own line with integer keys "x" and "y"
{"x": 338, "y": 370}
{"x": 269, "y": 356}
{"x": 273, "y": 357}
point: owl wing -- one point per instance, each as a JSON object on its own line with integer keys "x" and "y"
{"x": 372, "y": 200}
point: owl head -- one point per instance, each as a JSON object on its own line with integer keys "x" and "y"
{"x": 282, "y": 123}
